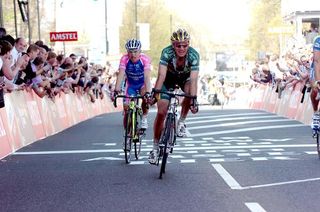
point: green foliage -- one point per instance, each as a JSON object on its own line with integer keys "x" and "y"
{"x": 266, "y": 14}
{"x": 158, "y": 17}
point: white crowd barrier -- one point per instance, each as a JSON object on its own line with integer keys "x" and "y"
{"x": 27, "y": 118}
{"x": 289, "y": 105}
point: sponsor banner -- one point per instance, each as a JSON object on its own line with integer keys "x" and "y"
{"x": 62, "y": 111}
{"x": 18, "y": 105}
{"x": 63, "y": 36}
{"x": 5, "y": 147}
{"x": 35, "y": 114}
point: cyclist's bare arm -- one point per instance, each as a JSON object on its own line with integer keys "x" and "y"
{"x": 147, "y": 80}
{"x": 119, "y": 79}
{"x": 162, "y": 72}
{"x": 316, "y": 60}
{"x": 194, "y": 82}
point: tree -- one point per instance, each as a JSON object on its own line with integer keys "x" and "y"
{"x": 154, "y": 13}
{"x": 265, "y": 15}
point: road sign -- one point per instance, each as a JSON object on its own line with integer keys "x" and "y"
{"x": 63, "y": 36}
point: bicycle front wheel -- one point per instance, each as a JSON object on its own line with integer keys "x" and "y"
{"x": 165, "y": 139}
{"x": 128, "y": 137}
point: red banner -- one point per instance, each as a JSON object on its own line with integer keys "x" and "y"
{"x": 63, "y": 36}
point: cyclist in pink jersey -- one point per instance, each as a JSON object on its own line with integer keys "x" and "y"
{"x": 135, "y": 69}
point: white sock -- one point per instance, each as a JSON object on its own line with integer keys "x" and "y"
{"x": 181, "y": 120}
{"x": 156, "y": 145}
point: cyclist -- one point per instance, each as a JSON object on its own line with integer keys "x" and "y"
{"x": 315, "y": 77}
{"x": 134, "y": 69}
{"x": 179, "y": 65}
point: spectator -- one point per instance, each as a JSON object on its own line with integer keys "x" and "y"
{"x": 3, "y": 32}
{"x": 311, "y": 34}
{"x": 20, "y": 45}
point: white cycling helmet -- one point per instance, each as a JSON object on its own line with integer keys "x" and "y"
{"x": 133, "y": 44}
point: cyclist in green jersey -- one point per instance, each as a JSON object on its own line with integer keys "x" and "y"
{"x": 179, "y": 66}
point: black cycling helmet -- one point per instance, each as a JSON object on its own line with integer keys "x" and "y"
{"x": 133, "y": 44}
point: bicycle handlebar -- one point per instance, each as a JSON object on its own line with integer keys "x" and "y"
{"x": 173, "y": 94}
{"x": 124, "y": 96}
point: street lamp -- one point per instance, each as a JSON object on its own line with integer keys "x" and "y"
{"x": 106, "y": 25}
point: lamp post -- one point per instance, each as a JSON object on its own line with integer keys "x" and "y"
{"x": 106, "y": 26}
{"x": 136, "y": 17}
{"x": 1, "y": 14}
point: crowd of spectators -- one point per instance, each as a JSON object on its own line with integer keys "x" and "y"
{"x": 37, "y": 68}
{"x": 284, "y": 72}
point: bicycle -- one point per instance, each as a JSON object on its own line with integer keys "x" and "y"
{"x": 169, "y": 133}
{"x": 315, "y": 135}
{"x": 133, "y": 134}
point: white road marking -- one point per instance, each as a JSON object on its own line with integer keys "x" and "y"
{"x": 231, "y": 182}
{"x": 137, "y": 162}
{"x": 193, "y": 142}
{"x": 103, "y": 158}
{"x": 188, "y": 161}
{"x": 238, "y": 123}
{"x": 232, "y": 119}
{"x": 311, "y": 152}
{"x": 236, "y": 137}
{"x": 105, "y": 144}
{"x": 243, "y": 154}
{"x": 275, "y": 139}
{"x": 281, "y": 183}
{"x": 254, "y": 207}
{"x": 210, "y": 151}
{"x": 275, "y": 153}
{"x": 278, "y": 150}
{"x": 215, "y": 160}
{"x": 247, "y": 129}
{"x": 176, "y": 156}
{"x": 259, "y": 158}
{"x": 191, "y": 150}
{"x": 221, "y": 116}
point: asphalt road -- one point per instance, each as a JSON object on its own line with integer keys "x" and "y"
{"x": 232, "y": 160}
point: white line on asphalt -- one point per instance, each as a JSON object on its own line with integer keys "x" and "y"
{"x": 238, "y": 123}
{"x": 233, "y": 119}
{"x": 254, "y": 207}
{"x": 281, "y": 183}
{"x": 246, "y": 130}
{"x": 188, "y": 161}
{"x": 191, "y": 150}
{"x": 227, "y": 115}
{"x": 311, "y": 152}
{"x": 102, "y": 158}
{"x": 231, "y": 182}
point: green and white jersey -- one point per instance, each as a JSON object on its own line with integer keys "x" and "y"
{"x": 178, "y": 75}
{"x": 168, "y": 58}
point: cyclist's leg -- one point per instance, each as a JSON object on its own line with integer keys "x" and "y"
{"x": 162, "y": 106}
{"x": 185, "y": 106}
{"x": 315, "y": 124}
{"x": 145, "y": 109}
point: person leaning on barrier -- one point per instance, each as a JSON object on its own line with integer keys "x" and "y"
{"x": 179, "y": 65}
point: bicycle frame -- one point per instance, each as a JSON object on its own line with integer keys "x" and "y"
{"x": 132, "y": 133}
{"x": 169, "y": 134}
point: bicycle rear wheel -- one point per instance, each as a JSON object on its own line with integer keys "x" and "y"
{"x": 318, "y": 145}
{"x": 137, "y": 141}
{"x": 128, "y": 137}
